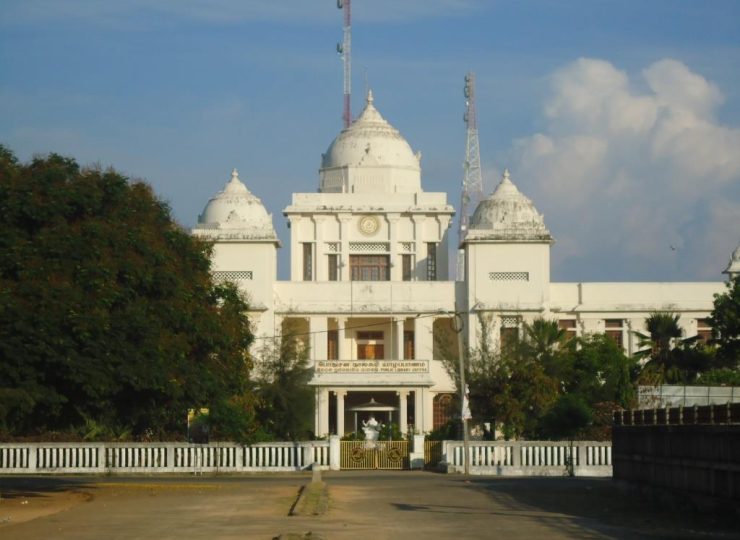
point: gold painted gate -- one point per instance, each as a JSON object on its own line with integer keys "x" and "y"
{"x": 375, "y": 455}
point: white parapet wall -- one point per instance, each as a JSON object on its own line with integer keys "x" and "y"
{"x": 530, "y": 458}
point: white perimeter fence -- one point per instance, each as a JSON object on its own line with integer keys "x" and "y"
{"x": 499, "y": 458}
{"x": 531, "y": 458}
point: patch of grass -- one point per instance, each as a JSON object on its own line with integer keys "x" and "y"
{"x": 313, "y": 500}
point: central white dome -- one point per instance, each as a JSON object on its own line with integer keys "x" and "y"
{"x": 370, "y": 156}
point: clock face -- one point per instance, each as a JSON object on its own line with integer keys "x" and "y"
{"x": 369, "y": 225}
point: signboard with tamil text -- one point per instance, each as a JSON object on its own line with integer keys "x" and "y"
{"x": 372, "y": 366}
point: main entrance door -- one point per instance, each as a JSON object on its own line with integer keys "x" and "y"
{"x": 393, "y": 455}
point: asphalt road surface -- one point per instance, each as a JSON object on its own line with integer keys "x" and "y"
{"x": 363, "y": 505}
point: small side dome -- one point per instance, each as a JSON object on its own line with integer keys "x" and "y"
{"x": 235, "y": 213}
{"x": 733, "y": 269}
{"x": 508, "y": 215}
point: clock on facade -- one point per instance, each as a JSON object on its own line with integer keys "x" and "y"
{"x": 369, "y": 225}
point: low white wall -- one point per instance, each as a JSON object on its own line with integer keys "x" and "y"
{"x": 530, "y": 458}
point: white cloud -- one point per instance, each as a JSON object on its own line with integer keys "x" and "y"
{"x": 636, "y": 172}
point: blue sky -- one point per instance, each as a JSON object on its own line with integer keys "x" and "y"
{"x": 619, "y": 119}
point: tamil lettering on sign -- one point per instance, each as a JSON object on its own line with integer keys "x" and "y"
{"x": 371, "y": 366}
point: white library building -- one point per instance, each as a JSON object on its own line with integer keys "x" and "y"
{"x": 370, "y": 285}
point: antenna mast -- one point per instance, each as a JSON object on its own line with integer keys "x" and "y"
{"x": 345, "y": 50}
{"x": 472, "y": 184}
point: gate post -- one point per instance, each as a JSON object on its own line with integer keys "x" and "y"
{"x": 335, "y": 453}
{"x": 416, "y": 457}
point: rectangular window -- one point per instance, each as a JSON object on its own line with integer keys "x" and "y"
{"x": 509, "y": 333}
{"x": 704, "y": 330}
{"x": 370, "y": 346}
{"x": 614, "y": 329}
{"x": 333, "y": 263}
{"x": 408, "y": 345}
{"x": 369, "y": 267}
{"x": 406, "y": 267}
{"x": 569, "y": 326}
{"x": 332, "y": 345}
{"x": 307, "y": 261}
{"x": 431, "y": 261}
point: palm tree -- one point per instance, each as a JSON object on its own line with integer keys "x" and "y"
{"x": 542, "y": 339}
{"x": 658, "y": 347}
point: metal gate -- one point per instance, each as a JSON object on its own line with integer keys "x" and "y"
{"x": 375, "y": 455}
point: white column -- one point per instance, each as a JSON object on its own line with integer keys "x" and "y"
{"x": 428, "y": 400}
{"x": 296, "y": 250}
{"x": 318, "y": 328}
{"x": 398, "y": 335}
{"x": 340, "y": 412}
{"x": 322, "y": 426}
{"x": 418, "y": 411}
{"x": 342, "y": 339}
{"x": 320, "y": 271}
{"x": 403, "y": 402}
{"x": 423, "y": 342}
{"x": 395, "y": 259}
{"x": 344, "y": 222}
{"x": 420, "y": 273}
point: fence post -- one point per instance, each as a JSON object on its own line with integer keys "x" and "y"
{"x": 335, "y": 453}
{"x": 516, "y": 454}
{"x": 32, "y": 458}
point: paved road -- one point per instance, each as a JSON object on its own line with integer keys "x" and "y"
{"x": 364, "y": 505}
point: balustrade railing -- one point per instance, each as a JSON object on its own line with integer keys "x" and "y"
{"x": 522, "y": 458}
{"x": 35, "y": 458}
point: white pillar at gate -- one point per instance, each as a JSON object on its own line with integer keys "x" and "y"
{"x": 398, "y": 338}
{"x": 318, "y": 329}
{"x": 322, "y": 407}
{"x": 403, "y": 412}
{"x": 342, "y": 339}
{"x": 340, "y": 412}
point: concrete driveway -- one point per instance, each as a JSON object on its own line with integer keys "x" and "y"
{"x": 372, "y": 505}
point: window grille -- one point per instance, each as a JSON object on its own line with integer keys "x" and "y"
{"x": 407, "y": 247}
{"x": 431, "y": 261}
{"x": 510, "y": 321}
{"x": 332, "y": 247}
{"x": 508, "y": 276}
{"x": 232, "y": 275}
{"x": 369, "y": 247}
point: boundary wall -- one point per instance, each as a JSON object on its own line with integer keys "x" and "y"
{"x": 681, "y": 453}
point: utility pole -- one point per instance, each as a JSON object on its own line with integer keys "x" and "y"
{"x": 472, "y": 184}
{"x": 345, "y": 50}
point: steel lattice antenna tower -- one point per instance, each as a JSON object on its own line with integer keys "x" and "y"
{"x": 345, "y": 50}
{"x": 472, "y": 184}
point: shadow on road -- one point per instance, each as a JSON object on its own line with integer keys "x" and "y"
{"x": 28, "y": 487}
{"x": 599, "y": 505}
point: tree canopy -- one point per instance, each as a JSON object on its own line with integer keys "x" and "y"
{"x": 108, "y": 314}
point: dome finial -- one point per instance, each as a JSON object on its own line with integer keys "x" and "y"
{"x": 234, "y": 174}
{"x": 506, "y": 174}
{"x": 369, "y": 96}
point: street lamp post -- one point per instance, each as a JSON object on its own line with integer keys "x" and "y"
{"x": 458, "y": 326}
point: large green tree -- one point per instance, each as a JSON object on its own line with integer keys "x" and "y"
{"x": 108, "y": 314}
{"x": 286, "y": 402}
{"x": 725, "y": 321}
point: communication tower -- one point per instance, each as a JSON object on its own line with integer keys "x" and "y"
{"x": 345, "y": 50}
{"x": 472, "y": 184}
